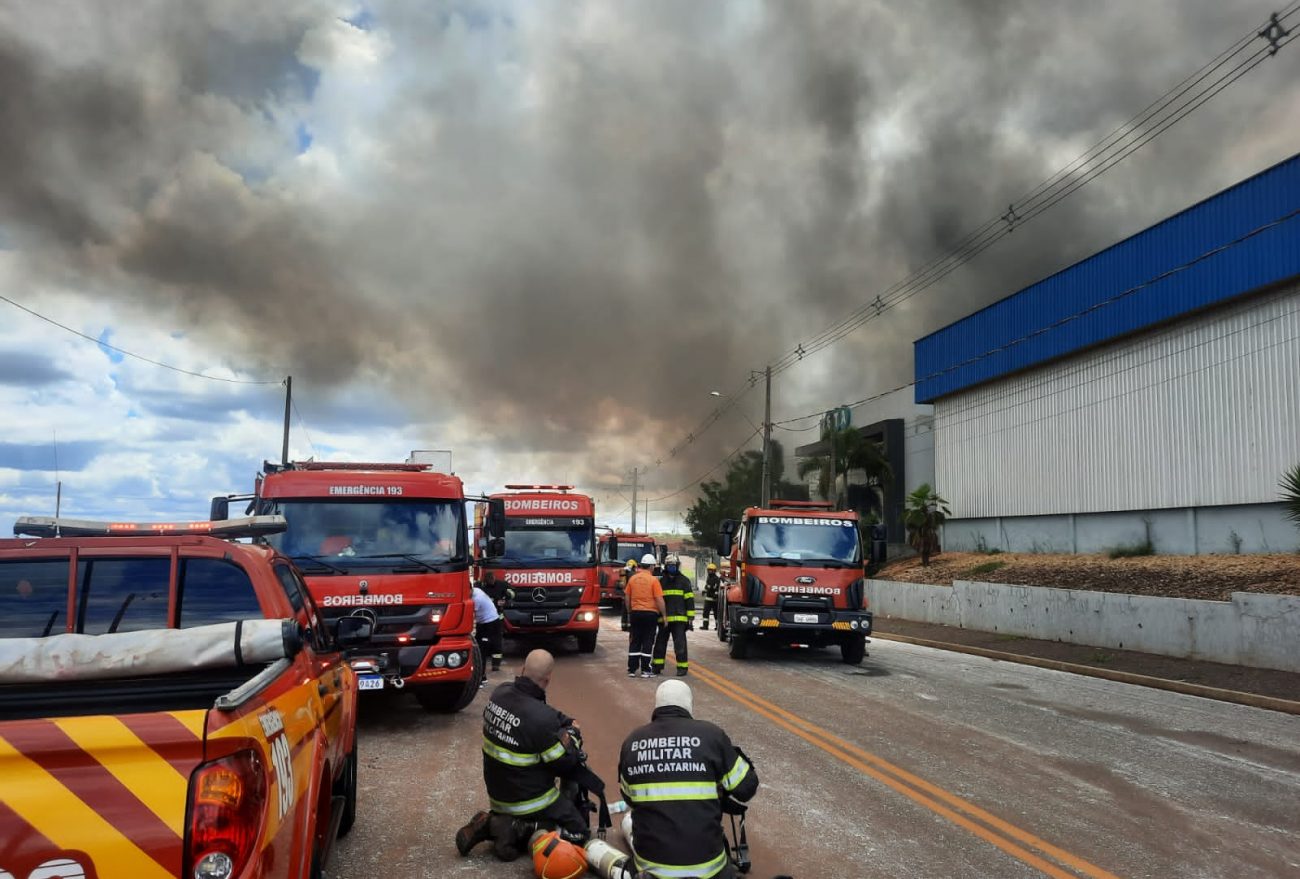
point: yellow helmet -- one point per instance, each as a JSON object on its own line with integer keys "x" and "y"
{"x": 631, "y": 563}
{"x": 712, "y": 566}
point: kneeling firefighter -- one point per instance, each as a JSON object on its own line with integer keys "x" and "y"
{"x": 679, "y": 775}
{"x": 534, "y": 768}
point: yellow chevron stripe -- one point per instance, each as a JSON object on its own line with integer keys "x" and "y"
{"x": 67, "y": 821}
{"x": 194, "y": 721}
{"x": 153, "y": 780}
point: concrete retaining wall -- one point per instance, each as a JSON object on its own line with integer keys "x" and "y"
{"x": 1257, "y": 630}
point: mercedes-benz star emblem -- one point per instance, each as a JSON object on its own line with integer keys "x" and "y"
{"x": 539, "y": 594}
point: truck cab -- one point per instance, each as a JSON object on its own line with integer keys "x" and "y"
{"x": 626, "y": 547}
{"x": 171, "y": 704}
{"x": 548, "y": 562}
{"x": 389, "y": 542}
{"x": 796, "y": 576}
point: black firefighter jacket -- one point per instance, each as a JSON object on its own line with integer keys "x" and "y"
{"x": 711, "y": 584}
{"x": 522, "y": 751}
{"x": 679, "y": 598}
{"x": 674, "y": 772}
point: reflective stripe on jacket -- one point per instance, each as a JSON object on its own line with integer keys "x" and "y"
{"x": 673, "y": 772}
{"x": 522, "y": 751}
{"x": 679, "y": 598}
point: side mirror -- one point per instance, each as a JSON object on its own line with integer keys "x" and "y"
{"x": 613, "y": 549}
{"x": 496, "y": 520}
{"x": 352, "y": 632}
{"x": 726, "y": 536}
{"x": 219, "y": 511}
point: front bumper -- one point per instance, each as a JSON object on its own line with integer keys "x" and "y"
{"x": 447, "y": 660}
{"x": 557, "y": 620}
{"x": 760, "y": 620}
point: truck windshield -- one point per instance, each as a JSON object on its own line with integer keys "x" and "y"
{"x": 345, "y": 535}
{"x": 795, "y": 538}
{"x": 548, "y": 541}
{"x": 626, "y": 551}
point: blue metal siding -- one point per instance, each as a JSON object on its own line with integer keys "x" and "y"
{"x": 1265, "y": 259}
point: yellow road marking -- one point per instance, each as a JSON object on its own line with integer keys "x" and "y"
{"x": 152, "y": 780}
{"x": 41, "y": 801}
{"x": 877, "y": 768}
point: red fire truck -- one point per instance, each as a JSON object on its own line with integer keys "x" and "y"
{"x": 797, "y": 577}
{"x": 388, "y": 542}
{"x": 549, "y": 562}
{"x": 627, "y": 546}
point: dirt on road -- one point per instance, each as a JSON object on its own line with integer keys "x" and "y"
{"x": 1211, "y": 577}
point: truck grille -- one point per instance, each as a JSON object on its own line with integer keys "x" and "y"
{"x": 552, "y": 597}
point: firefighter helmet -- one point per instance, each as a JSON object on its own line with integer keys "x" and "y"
{"x": 672, "y": 559}
{"x": 712, "y": 566}
{"x": 556, "y": 858}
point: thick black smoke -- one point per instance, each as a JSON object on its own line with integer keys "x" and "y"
{"x": 559, "y": 225}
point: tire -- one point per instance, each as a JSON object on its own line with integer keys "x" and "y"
{"x": 739, "y": 647}
{"x": 853, "y": 650}
{"x": 587, "y": 642}
{"x": 450, "y": 698}
{"x": 723, "y": 631}
{"x": 346, "y": 786}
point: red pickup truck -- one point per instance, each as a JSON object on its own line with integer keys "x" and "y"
{"x": 170, "y": 705}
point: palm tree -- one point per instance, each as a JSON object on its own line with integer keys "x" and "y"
{"x": 853, "y": 451}
{"x": 926, "y": 511}
{"x": 1290, "y": 486}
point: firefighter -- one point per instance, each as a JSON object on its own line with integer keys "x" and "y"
{"x": 497, "y": 590}
{"x": 527, "y": 746}
{"x": 711, "y": 584}
{"x": 487, "y": 626}
{"x": 644, "y": 600}
{"x": 679, "y": 602}
{"x": 677, "y": 774}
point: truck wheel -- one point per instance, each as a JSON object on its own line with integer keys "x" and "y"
{"x": 852, "y": 650}
{"x": 587, "y": 642}
{"x": 450, "y": 698}
{"x": 739, "y": 648}
{"x": 346, "y": 787}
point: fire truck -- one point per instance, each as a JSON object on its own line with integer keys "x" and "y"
{"x": 388, "y": 542}
{"x": 796, "y": 576}
{"x": 610, "y": 575}
{"x": 549, "y": 562}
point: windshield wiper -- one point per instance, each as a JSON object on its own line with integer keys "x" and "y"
{"x": 316, "y": 560}
{"x": 832, "y": 563}
{"x": 414, "y": 559}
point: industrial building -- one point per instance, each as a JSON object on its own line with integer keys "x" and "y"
{"x": 1148, "y": 393}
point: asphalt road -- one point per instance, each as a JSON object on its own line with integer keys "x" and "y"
{"x": 919, "y": 763}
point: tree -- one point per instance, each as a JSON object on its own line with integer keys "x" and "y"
{"x": 925, "y": 512}
{"x": 740, "y": 487}
{"x": 1290, "y": 486}
{"x": 853, "y": 451}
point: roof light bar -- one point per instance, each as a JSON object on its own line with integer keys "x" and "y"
{"x": 49, "y": 526}
{"x": 539, "y": 487}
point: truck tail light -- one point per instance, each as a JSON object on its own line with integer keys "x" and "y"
{"x": 226, "y": 801}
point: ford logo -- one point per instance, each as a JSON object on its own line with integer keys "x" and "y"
{"x": 539, "y": 594}
{"x": 805, "y": 580}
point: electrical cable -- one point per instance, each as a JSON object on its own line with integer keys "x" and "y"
{"x": 132, "y": 354}
{"x": 707, "y": 473}
{"x": 303, "y": 424}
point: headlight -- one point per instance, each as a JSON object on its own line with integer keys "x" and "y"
{"x": 853, "y": 625}
{"x": 453, "y": 660}
{"x": 744, "y": 618}
{"x": 440, "y": 660}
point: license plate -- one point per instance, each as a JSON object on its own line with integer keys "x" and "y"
{"x": 805, "y": 618}
{"x": 541, "y": 618}
{"x": 370, "y": 682}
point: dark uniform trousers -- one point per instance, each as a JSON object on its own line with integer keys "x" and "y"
{"x": 489, "y": 641}
{"x": 677, "y": 630}
{"x": 641, "y": 640}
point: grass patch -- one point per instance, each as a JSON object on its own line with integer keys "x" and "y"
{"x": 1102, "y": 657}
{"x": 1132, "y": 550}
{"x": 985, "y": 568}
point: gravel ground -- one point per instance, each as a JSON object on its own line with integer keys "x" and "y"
{"x": 1211, "y": 577}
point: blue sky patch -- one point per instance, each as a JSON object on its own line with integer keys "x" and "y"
{"x": 104, "y": 341}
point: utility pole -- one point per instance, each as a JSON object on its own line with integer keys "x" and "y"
{"x": 647, "y": 515}
{"x": 767, "y": 437}
{"x": 835, "y": 473}
{"x": 288, "y": 402}
{"x": 634, "y": 478}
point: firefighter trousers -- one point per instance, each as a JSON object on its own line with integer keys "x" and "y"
{"x": 678, "y": 631}
{"x": 710, "y": 607}
{"x": 489, "y": 640}
{"x": 641, "y": 640}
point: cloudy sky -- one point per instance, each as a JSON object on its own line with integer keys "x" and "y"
{"x": 537, "y": 233}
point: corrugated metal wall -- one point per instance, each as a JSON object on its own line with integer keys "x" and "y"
{"x": 958, "y": 356}
{"x": 1202, "y": 412}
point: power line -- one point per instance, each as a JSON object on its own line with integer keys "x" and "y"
{"x": 140, "y": 357}
{"x": 705, "y": 475}
{"x": 1184, "y": 98}
{"x": 293, "y": 401}
{"x": 1258, "y": 230}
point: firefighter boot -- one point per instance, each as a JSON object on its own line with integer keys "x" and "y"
{"x": 505, "y": 842}
{"x": 473, "y": 833}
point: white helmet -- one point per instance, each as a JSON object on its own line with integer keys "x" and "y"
{"x": 649, "y": 559}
